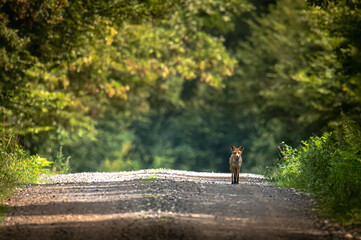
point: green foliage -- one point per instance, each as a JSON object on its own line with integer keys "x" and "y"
{"x": 298, "y": 70}
{"x": 17, "y": 167}
{"x": 328, "y": 166}
{"x": 125, "y": 85}
{"x": 66, "y": 64}
{"x": 74, "y": 67}
{"x": 119, "y": 159}
{"x": 61, "y": 164}
{"x": 150, "y": 178}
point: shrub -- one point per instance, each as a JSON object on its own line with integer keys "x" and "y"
{"x": 17, "y": 167}
{"x": 61, "y": 164}
{"x": 328, "y": 166}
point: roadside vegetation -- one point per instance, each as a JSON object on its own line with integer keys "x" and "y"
{"x": 125, "y": 85}
{"x": 329, "y": 167}
{"x": 172, "y": 84}
{"x": 17, "y": 168}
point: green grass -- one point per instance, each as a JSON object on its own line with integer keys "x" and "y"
{"x": 153, "y": 176}
{"x": 61, "y": 163}
{"x": 17, "y": 168}
{"x": 150, "y": 178}
{"x": 329, "y": 167}
{"x": 157, "y": 170}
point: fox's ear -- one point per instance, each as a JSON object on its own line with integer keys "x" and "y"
{"x": 232, "y": 148}
{"x": 241, "y": 148}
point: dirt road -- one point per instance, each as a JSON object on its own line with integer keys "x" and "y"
{"x": 160, "y": 204}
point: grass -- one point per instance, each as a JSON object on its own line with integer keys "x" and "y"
{"x": 153, "y": 176}
{"x": 17, "y": 168}
{"x": 157, "y": 170}
{"x": 61, "y": 163}
{"x": 150, "y": 178}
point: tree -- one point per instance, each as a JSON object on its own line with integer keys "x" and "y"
{"x": 72, "y": 64}
{"x": 299, "y": 70}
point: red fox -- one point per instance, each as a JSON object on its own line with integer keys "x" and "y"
{"x": 235, "y": 162}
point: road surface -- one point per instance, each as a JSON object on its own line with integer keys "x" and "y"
{"x": 160, "y": 204}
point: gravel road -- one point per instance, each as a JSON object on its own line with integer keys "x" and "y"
{"x": 160, "y": 204}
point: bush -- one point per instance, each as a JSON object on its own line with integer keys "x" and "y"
{"x": 17, "y": 167}
{"x": 61, "y": 164}
{"x": 328, "y": 166}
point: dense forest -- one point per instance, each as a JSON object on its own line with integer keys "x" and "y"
{"x": 123, "y": 85}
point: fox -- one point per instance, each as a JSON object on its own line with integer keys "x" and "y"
{"x": 235, "y": 162}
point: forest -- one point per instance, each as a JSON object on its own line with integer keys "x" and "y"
{"x": 126, "y": 85}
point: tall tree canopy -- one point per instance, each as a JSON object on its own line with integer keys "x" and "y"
{"x": 136, "y": 84}
{"x": 66, "y": 59}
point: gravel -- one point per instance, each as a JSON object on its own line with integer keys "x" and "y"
{"x": 161, "y": 204}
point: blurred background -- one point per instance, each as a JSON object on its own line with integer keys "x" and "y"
{"x": 124, "y": 85}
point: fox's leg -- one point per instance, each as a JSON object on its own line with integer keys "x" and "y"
{"x": 238, "y": 175}
{"x": 237, "y": 172}
{"x": 232, "y": 177}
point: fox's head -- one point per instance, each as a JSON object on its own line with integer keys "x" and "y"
{"x": 237, "y": 151}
